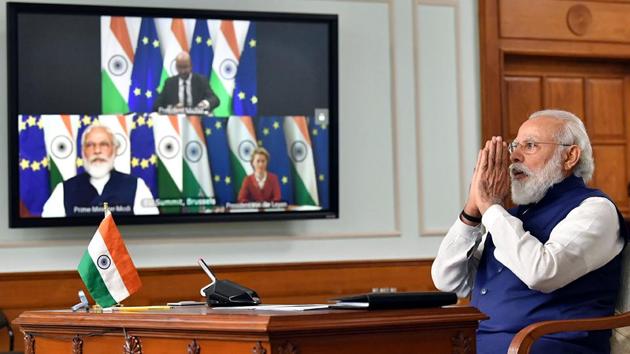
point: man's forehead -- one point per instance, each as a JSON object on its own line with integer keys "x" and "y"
{"x": 98, "y": 133}
{"x": 542, "y": 128}
{"x": 182, "y": 60}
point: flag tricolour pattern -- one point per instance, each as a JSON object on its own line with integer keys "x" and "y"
{"x": 117, "y": 57}
{"x": 242, "y": 141}
{"x": 106, "y": 267}
{"x": 301, "y": 153}
{"x": 197, "y": 179}
{"x": 173, "y": 40}
{"x": 227, "y": 52}
{"x": 168, "y": 147}
{"x": 60, "y": 133}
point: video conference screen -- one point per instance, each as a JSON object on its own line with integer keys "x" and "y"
{"x": 170, "y": 115}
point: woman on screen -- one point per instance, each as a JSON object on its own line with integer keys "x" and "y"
{"x": 262, "y": 185}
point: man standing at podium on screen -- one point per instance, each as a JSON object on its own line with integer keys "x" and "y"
{"x": 84, "y": 194}
{"x": 186, "y": 89}
{"x": 555, "y": 256}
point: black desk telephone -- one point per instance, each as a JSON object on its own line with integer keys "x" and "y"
{"x": 225, "y": 292}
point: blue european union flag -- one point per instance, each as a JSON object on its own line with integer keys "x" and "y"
{"x": 147, "y": 68}
{"x": 33, "y": 167}
{"x": 201, "y": 52}
{"x": 143, "y": 158}
{"x": 320, "y": 142}
{"x": 215, "y": 130}
{"x": 271, "y": 136}
{"x": 245, "y": 98}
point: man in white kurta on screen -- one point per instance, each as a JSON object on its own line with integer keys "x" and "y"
{"x": 85, "y": 193}
{"x": 555, "y": 256}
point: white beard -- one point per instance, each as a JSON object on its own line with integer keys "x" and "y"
{"x": 99, "y": 169}
{"x": 535, "y": 186}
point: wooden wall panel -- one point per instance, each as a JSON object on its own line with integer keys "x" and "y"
{"x": 565, "y": 67}
{"x": 565, "y": 20}
{"x": 609, "y": 176}
{"x": 275, "y": 283}
{"x": 605, "y": 108}
{"x": 581, "y": 51}
{"x": 566, "y": 93}
{"x": 522, "y": 98}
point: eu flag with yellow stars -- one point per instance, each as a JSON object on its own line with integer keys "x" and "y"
{"x": 270, "y": 135}
{"x": 201, "y": 52}
{"x": 147, "y": 68}
{"x": 320, "y": 139}
{"x": 245, "y": 97}
{"x": 143, "y": 157}
{"x": 215, "y": 131}
{"x": 33, "y": 166}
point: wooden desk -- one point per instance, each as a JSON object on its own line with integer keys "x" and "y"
{"x": 202, "y": 330}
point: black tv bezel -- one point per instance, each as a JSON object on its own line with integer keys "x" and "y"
{"x": 13, "y": 9}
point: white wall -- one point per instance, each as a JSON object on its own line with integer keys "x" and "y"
{"x": 409, "y": 130}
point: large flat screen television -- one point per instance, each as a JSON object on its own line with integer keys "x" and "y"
{"x": 170, "y": 115}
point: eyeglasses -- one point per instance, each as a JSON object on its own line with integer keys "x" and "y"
{"x": 530, "y": 146}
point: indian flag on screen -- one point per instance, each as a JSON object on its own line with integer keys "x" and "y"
{"x": 228, "y": 46}
{"x": 175, "y": 34}
{"x": 118, "y": 38}
{"x": 60, "y": 132}
{"x": 196, "y": 169}
{"x": 168, "y": 147}
{"x": 106, "y": 267}
{"x": 301, "y": 153}
{"x": 242, "y": 142}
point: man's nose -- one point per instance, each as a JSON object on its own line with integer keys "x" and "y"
{"x": 516, "y": 156}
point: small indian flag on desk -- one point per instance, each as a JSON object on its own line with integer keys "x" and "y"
{"x": 106, "y": 267}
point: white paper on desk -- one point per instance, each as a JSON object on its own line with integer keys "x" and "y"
{"x": 288, "y": 308}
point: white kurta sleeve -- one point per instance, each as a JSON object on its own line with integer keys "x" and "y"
{"x": 586, "y": 239}
{"x": 456, "y": 263}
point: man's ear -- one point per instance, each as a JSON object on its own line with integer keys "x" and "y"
{"x": 572, "y": 158}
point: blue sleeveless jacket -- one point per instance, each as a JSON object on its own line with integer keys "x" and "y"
{"x": 511, "y": 305}
{"x": 79, "y": 195}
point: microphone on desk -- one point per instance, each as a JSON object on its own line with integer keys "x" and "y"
{"x": 225, "y": 292}
{"x": 83, "y": 303}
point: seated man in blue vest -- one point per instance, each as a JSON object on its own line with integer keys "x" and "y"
{"x": 84, "y": 194}
{"x": 556, "y": 255}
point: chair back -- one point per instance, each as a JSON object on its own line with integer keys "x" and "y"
{"x": 4, "y": 322}
{"x": 620, "y": 340}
